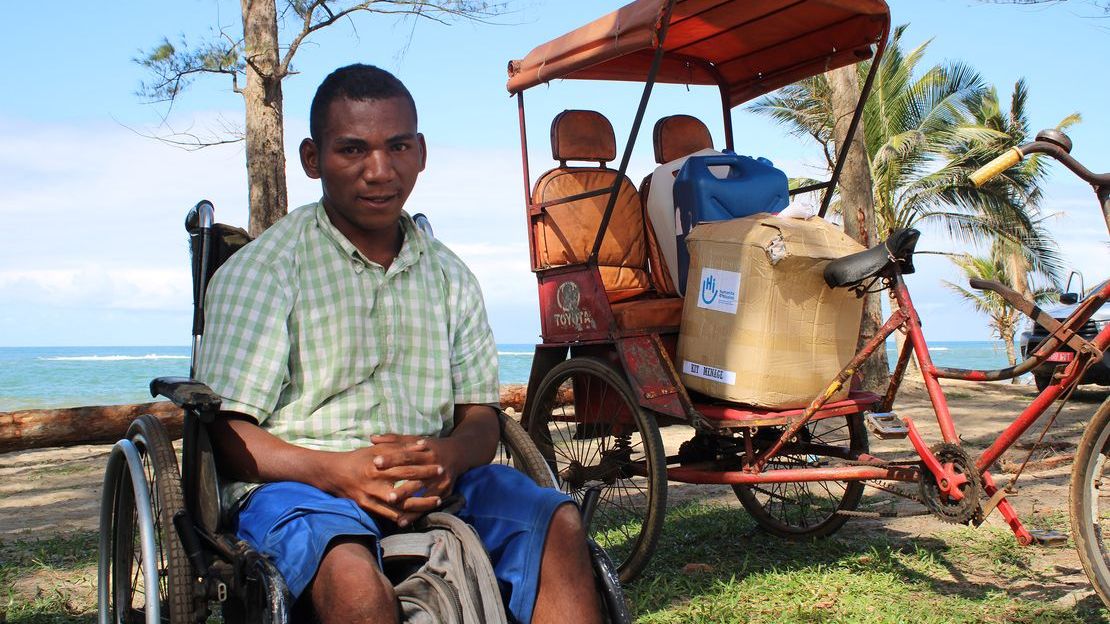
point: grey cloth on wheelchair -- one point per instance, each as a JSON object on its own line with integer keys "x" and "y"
{"x": 233, "y": 495}
{"x": 442, "y": 574}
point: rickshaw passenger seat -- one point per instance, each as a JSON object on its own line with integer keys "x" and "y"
{"x": 674, "y": 137}
{"x": 564, "y": 231}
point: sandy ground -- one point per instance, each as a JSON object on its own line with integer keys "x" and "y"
{"x": 56, "y": 491}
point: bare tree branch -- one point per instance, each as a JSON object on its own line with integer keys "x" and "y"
{"x": 174, "y": 68}
{"x": 311, "y": 22}
{"x": 1104, "y": 5}
{"x": 190, "y": 141}
{"x": 266, "y": 24}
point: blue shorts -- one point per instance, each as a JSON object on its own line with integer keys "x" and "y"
{"x": 293, "y": 523}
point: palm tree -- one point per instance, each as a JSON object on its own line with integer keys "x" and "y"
{"x": 1003, "y": 317}
{"x": 924, "y": 135}
{"x": 913, "y": 126}
{"x": 1013, "y": 197}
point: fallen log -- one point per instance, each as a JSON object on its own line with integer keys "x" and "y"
{"x": 97, "y": 424}
{"x": 104, "y": 424}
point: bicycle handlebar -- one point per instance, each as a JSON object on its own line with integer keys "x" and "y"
{"x": 987, "y": 172}
{"x": 1051, "y": 142}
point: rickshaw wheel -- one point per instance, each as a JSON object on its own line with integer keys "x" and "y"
{"x": 516, "y": 449}
{"x": 799, "y": 511}
{"x": 609, "y": 443}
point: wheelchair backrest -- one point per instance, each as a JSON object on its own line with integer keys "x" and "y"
{"x": 210, "y": 245}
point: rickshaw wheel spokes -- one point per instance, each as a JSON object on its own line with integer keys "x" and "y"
{"x": 604, "y": 439}
{"x": 808, "y": 510}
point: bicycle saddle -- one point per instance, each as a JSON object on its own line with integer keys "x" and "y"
{"x": 851, "y": 270}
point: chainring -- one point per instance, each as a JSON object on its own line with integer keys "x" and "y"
{"x": 964, "y": 510}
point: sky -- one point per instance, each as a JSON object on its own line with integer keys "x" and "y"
{"x": 92, "y": 248}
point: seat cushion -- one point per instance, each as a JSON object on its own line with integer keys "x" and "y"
{"x": 648, "y": 313}
{"x": 565, "y": 232}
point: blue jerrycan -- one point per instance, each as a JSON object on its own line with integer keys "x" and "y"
{"x": 751, "y": 186}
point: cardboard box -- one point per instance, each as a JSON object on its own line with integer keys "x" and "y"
{"x": 760, "y": 326}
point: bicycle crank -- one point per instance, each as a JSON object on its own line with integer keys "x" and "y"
{"x": 957, "y": 510}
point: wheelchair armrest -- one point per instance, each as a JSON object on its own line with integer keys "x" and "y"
{"x": 188, "y": 394}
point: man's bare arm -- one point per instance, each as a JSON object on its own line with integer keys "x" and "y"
{"x": 249, "y": 453}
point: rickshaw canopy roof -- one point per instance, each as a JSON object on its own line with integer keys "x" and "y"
{"x": 749, "y": 47}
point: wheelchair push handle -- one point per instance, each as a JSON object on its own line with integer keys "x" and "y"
{"x": 200, "y": 217}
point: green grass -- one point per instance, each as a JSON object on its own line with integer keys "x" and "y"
{"x": 63, "y": 600}
{"x": 961, "y": 575}
{"x": 753, "y": 577}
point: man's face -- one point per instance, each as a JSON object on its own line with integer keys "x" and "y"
{"x": 368, "y": 159}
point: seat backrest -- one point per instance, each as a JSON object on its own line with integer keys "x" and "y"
{"x": 674, "y": 137}
{"x": 209, "y": 249}
{"x": 679, "y": 135}
{"x": 564, "y": 229}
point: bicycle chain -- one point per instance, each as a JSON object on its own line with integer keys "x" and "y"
{"x": 885, "y": 488}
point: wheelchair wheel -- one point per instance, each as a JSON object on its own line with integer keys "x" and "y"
{"x": 808, "y": 510}
{"x": 127, "y": 591}
{"x": 608, "y": 586}
{"x": 605, "y": 441}
{"x": 516, "y": 449}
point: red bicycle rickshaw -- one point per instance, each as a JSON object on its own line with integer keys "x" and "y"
{"x": 604, "y": 378}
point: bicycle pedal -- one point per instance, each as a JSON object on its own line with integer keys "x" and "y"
{"x": 886, "y": 425}
{"x": 1049, "y": 537}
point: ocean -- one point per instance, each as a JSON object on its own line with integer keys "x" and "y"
{"x": 52, "y": 377}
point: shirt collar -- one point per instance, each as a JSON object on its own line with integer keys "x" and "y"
{"x": 412, "y": 246}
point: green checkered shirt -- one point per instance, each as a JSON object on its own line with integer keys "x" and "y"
{"x": 324, "y": 348}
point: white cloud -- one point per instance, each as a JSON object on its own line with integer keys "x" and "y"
{"x": 94, "y": 216}
{"x": 99, "y": 287}
{"x": 93, "y": 221}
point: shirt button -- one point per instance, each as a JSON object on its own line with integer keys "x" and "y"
{"x": 358, "y": 266}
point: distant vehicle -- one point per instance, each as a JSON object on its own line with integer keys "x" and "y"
{"x": 1032, "y": 336}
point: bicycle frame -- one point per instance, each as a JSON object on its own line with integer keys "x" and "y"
{"x": 905, "y": 319}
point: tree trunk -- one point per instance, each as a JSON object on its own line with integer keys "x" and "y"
{"x": 104, "y": 424}
{"x": 859, "y": 212}
{"x": 265, "y": 141}
{"x": 1007, "y": 336}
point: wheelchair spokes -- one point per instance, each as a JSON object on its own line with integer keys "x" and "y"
{"x": 127, "y": 566}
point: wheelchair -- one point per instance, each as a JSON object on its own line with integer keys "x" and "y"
{"x": 166, "y": 550}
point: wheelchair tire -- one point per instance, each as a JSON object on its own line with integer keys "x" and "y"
{"x": 608, "y": 582}
{"x": 176, "y": 580}
{"x": 614, "y": 446}
{"x": 516, "y": 449}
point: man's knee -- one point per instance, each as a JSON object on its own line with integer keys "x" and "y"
{"x": 349, "y": 588}
{"x": 566, "y": 525}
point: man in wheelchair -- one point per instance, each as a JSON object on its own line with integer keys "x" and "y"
{"x": 356, "y": 369}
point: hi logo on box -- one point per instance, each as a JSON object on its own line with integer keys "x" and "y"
{"x": 719, "y": 290}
